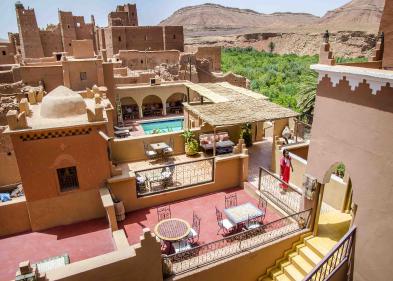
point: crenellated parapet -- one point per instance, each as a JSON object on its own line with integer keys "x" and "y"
{"x": 375, "y": 78}
{"x": 16, "y": 121}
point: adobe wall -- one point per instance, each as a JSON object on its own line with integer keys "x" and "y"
{"x": 51, "y": 75}
{"x": 173, "y": 38}
{"x": 82, "y": 49}
{"x": 142, "y": 38}
{"x": 38, "y": 166}
{"x": 72, "y": 70}
{"x": 212, "y": 54}
{"x": 364, "y": 146}
{"x": 139, "y": 60}
{"x": 68, "y": 32}
{"x": 6, "y": 54}
{"x": 14, "y": 217}
{"x": 386, "y": 26}
{"x": 125, "y": 15}
{"x": 9, "y": 172}
{"x": 29, "y": 33}
{"x": 51, "y": 41}
{"x": 67, "y": 208}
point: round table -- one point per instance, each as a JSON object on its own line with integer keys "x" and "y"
{"x": 172, "y": 229}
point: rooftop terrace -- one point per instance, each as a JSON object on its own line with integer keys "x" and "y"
{"x": 80, "y": 241}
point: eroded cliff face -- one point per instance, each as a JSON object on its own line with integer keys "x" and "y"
{"x": 344, "y": 44}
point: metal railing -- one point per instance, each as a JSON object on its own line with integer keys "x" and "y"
{"x": 174, "y": 176}
{"x": 341, "y": 253}
{"x": 272, "y": 187}
{"x": 232, "y": 245}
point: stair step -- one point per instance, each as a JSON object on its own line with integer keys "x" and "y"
{"x": 309, "y": 255}
{"x": 275, "y": 272}
{"x": 302, "y": 264}
{"x": 293, "y": 273}
{"x": 321, "y": 246}
{"x": 282, "y": 277}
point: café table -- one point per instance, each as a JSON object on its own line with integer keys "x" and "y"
{"x": 172, "y": 230}
{"x": 159, "y": 147}
{"x": 241, "y": 213}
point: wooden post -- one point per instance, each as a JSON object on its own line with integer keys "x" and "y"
{"x": 214, "y": 143}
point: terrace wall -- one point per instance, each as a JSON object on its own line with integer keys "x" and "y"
{"x": 247, "y": 266}
{"x": 140, "y": 262}
{"x": 229, "y": 172}
{"x": 14, "y": 217}
{"x": 132, "y": 149}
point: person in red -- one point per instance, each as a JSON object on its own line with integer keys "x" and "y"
{"x": 285, "y": 169}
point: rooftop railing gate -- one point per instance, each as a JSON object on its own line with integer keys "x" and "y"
{"x": 273, "y": 187}
{"x": 170, "y": 177}
{"x": 342, "y": 252}
{"x": 232, "y": 245}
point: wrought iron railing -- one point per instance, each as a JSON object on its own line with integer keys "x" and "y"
{"x": 174, "y": 176}
{"x": 340, "y": 254}
{"x": 284, "y": 195}
{"x": 232, "y": 245}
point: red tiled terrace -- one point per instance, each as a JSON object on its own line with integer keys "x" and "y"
{"x": 80, "y": 241}
{"x": 203, "y": 206}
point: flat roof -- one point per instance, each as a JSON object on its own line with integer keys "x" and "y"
{"x": 36, "y": 122}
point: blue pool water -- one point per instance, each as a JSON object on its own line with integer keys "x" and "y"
{"x": 165, "y": 126}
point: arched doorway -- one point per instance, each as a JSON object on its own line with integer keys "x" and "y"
{"x": 336, "y": 207}
{"x": 174, "y": 103}
{"x": 129, "y": 109}
{"x": 152, "y": 106}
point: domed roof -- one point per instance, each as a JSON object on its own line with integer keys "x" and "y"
{"x": 62, "y": 102}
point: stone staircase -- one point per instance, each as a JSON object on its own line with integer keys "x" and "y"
{"x": 309, "y": 250}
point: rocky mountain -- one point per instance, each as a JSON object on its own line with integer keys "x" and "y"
{"x": 353, "y": 26}
{"x": 359, "y": 15}
{"x": 217, "y": 19}
{"x": 213, "y": 19}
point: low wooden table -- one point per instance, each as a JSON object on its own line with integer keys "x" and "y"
{"x": 172, "y": 230}
{"x": 241, "y": 213}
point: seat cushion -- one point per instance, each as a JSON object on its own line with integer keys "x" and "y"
{"x": 151, "y": 152}
{"x": 227, "y": 224}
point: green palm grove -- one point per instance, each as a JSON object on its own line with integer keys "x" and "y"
{"x": 286, "y": 79}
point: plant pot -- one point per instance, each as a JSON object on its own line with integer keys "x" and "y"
{"x": 190, "y": 151}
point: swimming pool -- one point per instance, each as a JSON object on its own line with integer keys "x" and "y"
{"x": 164, "y": 126}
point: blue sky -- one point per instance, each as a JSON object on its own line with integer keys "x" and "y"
{"x": 150, "y": 12}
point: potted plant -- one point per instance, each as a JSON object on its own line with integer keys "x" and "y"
{"x": 246, "y": 134}
{"x": 190, "y": 143}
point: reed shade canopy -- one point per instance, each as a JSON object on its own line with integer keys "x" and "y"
{"x": 240, "y": 112}
{"x": 226, "y": 104}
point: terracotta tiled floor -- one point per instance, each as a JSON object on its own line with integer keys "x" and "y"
{"x": 260, "y": 155}
{"x": 80, "y": 241}
{"x": 204, "y": 206}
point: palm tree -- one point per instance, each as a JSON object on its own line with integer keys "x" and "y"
{"x": 307, "y": 94}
